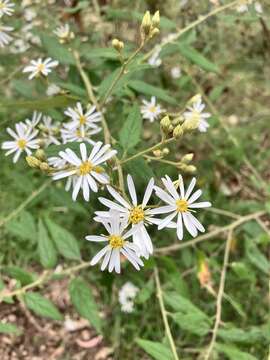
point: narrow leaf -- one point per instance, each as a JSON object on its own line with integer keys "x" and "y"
{"x": 42, "y": 306}
{"x": 155, "y": 349}
{"x": 46, "y": 248}
{"x": 197, "y": 58}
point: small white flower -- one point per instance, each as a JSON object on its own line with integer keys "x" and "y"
{"x": 49, "y": 131}
{"x": 258, "y": 7}
{"x": 150, "y": 109}
{"x": 19, "y": 46}
{"x": 24, "y": 141}
{"x": 116, "y": 245}
{"x": 29, "y": 14}
{"x": 6, "y": 8}
{"x": 81, "y": 119}
{"x": 180, "y": 205}
{"x": 126, "y": 296}
{"x": 243, "y": 5}
{"x": 76, "y": 135}
{"x": 40, "y": 67}
{"x": 176, "y": 72}
{"x": 52, "y": 90}
{"x": 5, "y": 38}
{"x": 87, "y": 168}
{"x": 64, "y": 33}
{"x": 195, "y": 111}
{"x": 138, "y": 215}
{"x": 155, "y": 60}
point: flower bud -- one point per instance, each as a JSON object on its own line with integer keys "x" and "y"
{"x": 32, "y": 161}
{"x": 166, "y": 151}
{"x": 194, "y": 99}
{"x": 187, "y": 158}
{"x": 177, "y": 132}
{"x": 146, "y": 23}
{"x": 165, "y": 123}
{"x": 40, "y": 154}
{"x": 157, "y": 153}
{"x": 156, "y": 19}
{"x": 118, "y": 45}
{"x": 190, "y": 169}
{"x": 44, "y": 166}
{"x": 154, "y": 32}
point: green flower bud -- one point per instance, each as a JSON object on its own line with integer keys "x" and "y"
{"x": 177, "y": 132}
{"x": 32, "y": 161}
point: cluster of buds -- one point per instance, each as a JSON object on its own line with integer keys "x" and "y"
{"x": 39, "y": 161}
{"x": 171, "y": 127}
{"x": 118, "y": 45}
{"x": 150, "y": 26}
{"x": 161, "y": 153}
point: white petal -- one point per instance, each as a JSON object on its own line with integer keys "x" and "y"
{"x": 189, "y": 225}
{"x": 170, "y": 187}
{"x": 148, "y": 192}
{"x": 85, "y": 186}
{"x": 163, "y": 195}
{"x": 106, "y": 260}
{"x": 95, "y": 238}
{"x": 162, "y": 209}
{"x": 132, "y": 190}
{"x": 181, "y": 186}
{"x": 118, "y": 197}
{"x": 166, "y": 221}
{"x": 179, "y": 227}
{"x": 196, "y": 222}
{"x": 83, "y": 151}
{"x": 76, "y": 188}
{"x": 195, "y": 196}
{"x": 110, "y": 204}
{"x": 203, "y": 204}
{"x": 190, "y": 188}
{"x": 99, "y": 255}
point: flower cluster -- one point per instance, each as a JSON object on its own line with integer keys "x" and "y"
{"x": 130, "y": 218}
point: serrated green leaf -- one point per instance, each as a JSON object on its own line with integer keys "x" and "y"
{"x": 19, "y": 274}
{"x": 144, "y": 88}
{"x": 197, "y": 58}
{"x": 140, "y": 169}
{"x": 7, "y": 328}
{"x": 84, "y": 302}
{"x": 155, "y": 349}
{"x": 42, "y": 306}
{"x": 131, "y": 131}
{"x": 64, "y": 241}
{"x": 46, "y": 249}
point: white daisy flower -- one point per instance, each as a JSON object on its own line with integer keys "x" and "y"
{"x": 155, "y": 60}
{"x": 195, "y": 111}
{"x": 5, "y": 38}
{"x": 176, "y": 72}
{"x": 24, "y": 141}
{"x": 180, "y": 205}
{"x": 64, "y": 33}
{"x": 116, "y": 245}
{"x": 40, "y": 67}
{"x": 126, "y": 296}
{"x": 52, "y": 90}
{"x": 138, "y": 215}
{"x": 76, "y": 135}
{"x": 150, "y": 110}
{"x": 81, "y": 119}
{"x": 87, "y": 168}
{"x": 49, "y": 131}
{"x": 6, "y": 8}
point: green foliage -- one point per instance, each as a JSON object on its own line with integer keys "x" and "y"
{"x": 84, "y": 302}
{"x": 46, "y": 247}
{"x": 64, "y": 241}
{"x": 6, "y": 328}
{"x": 42, "y": 306}
{"x": 157, "y": 350}
{"x": 130, "y": 133}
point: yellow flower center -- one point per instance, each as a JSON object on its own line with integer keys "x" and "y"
{"x": 82, "y": 119}
{"x": 152, "y": 109}
{"x": 136, "y": 215}
{"x": 181, "y": 205}
{"x": 41, "y": 67}
{"x": 85, "y": 168}
{"x": 21, "y": 143}
{"x": 116, "y": 241}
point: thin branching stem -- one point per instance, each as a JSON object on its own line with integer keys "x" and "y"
{"x": 164, "y": 315}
